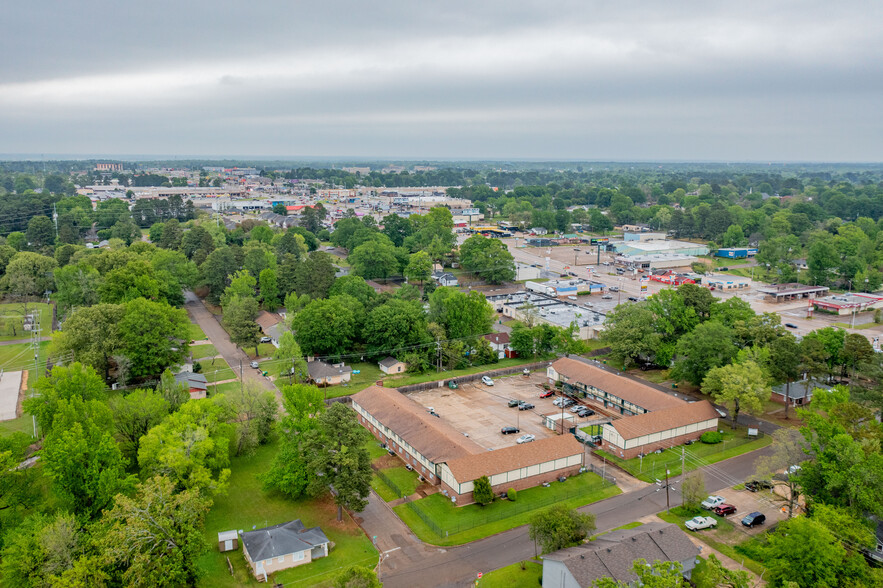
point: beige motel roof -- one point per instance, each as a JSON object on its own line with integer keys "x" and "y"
{"x": 639, "y": 394}
{"x": 432, "y": 437}
{"x": 663, "y": 420}
{"x": 491, "y": 463}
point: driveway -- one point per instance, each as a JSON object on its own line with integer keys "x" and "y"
{"x": 410, "y": 563}
{"x": 215, "y": 333}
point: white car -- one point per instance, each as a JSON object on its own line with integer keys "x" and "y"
{"x": 712, "y": 501}
{"x": 487, "y": 381}
{"x": 697, "y": 523}
{"x": 525, "y": 439}
{"x": 559, "y": 401}
{"x": 255, "y": 365}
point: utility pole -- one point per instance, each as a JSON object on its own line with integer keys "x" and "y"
{"x": 438, "y": 358}
{"x": 241, "y": 379}
{"x": 683, "y": 471}
{"x": 55, "y": 218}
{"x": 667, "y": 505}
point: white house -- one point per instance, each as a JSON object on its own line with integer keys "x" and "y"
{"x": 283, "y": 546}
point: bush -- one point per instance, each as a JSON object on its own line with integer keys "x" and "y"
{"x": 511, "y": 494}
{"x": 482, "y": 492}
{"x": 687, "y": 510}
{"x": 197, "y": 367}
{"x": 711, "y": 437}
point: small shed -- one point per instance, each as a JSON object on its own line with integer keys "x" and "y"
{"x": 391, "y": 365}
{"x": 559, "y": 422}
{"x": 228, "y": 541}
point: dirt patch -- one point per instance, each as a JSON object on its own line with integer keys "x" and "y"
{"x": 386, "y": 461}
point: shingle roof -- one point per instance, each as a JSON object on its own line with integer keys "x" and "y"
{"x": 663, "y": 420}
{"x": 611, "y": 555}
{"x": 515, "y": 457}
{"x": 320, "y": 369}
{"x": 432, "y": 437}
{"x": 388, "y": 362}
{"x": 192, "y": 380}
{"x": 629, "y": 390}
{"x": 282, "y": 539}
{"x": 498, "y": 338}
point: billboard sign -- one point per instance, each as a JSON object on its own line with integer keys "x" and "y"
{"x": 470, "y": 212}
{"x": 599, "y": 240}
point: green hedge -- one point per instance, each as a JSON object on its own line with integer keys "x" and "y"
{"x": 511, "y": 494}
{"x": 711, "y": 437}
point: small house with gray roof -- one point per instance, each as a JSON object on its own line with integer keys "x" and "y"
{"x": 612, "y": 555}
{"x": 283, "y": 546}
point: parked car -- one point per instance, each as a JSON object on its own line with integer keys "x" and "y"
{"x": 571, "y": 297}
{"x": 526, "y": 406}
{"x": 755, "y": 518}
{"x": 525, "y": 439}
{"x": 568, "y": 402}
{"x": 755, "y": 485}
{"x": 697, "y": 523}
{"x": 607, "y": 297}
{"x": 487, "y": 381}
{"x": 547, "y": 394}
{"x": 266, "y": 340}
{"x": 712, "y": 501}
{"x": 559, "y": 401}
{"x": 633, "y": 298}
{"x": 514, "y": 402}
{"x": 510, "y": 430}
{"x": 723, "y": 510}
{"x": 791, "y": 325}
{"x": 575, "y": 408}
{"x": 255, "y": 365}
{"x": 586, "y": 412}
{"x": 614, "y": 288}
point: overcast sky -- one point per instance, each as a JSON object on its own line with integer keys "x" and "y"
{"x": 613, "y": 80}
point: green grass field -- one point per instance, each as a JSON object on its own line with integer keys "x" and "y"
{"x": 264, "y": 350}
{"x": 203, "y": 351}
{"x": 404, "y": 480}
{"x": 12, "y": 320}
{"x": 433, "y": 376}
{"x": 513, "y": 576}
{"x": 869, "y": 325}
{"x": 247, "y": 505}
{"x": 196, "y": 333}
{"x": 653, "y": 466}
{"x": 222, "y": 388}
{"x": 216, "y": 370}
{"x": 472, "y": 522}
{"x": 23, "y": 424}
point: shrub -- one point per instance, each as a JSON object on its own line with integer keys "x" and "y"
{"x": 482, "y": 492}
{"x": 687, "y": 510}
{"x": 511, "y": 494}
{"x": 711, "y": 437}
{"x": 197, "y": 367}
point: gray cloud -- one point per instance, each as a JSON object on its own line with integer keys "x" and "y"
{"x": 596, "y": 80}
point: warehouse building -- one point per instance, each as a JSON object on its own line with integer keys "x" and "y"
{"x": 538, "y": 307}
{"x": 726, "y": 283}
{"x": 656, "y": 261}
{"x": 842, "y": 304}
{"x": 736, "y": 252}
{"x": 659, "y": 246}
{"x": 446, "y": 457}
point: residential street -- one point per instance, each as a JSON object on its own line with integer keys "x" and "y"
{"x": 407, "y": 562}
{"x": 221, "y": 340}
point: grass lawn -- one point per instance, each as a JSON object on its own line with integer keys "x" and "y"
{"x": 433, "y": 376}
{"x": 624, "y": 527}
{"x": 375, "y": 450}
{"x": 472, "y": 522}
{"x": 591, "y": 429}
{"x": 12, "y": 320}
{"x": 222, "y": 388}
{"x": 19, "y": 356}
{"x": 217, "y": 369}
{"x": 247, "y": 505}
{"x": 23, "y": 424}
{"x": 513, "y": 576}
{"x": 869, "y": 325}
{"x": 203, "y": 351}
{"x": 723, "y": 538}
{"x": 369, "y": 373}
{"x": 655, "y": 376}
{"x": 653, "y": 466}
{"x": 196, "y": 333}
{"x": 404, "y": 480}
{"x": 264, "y": 350}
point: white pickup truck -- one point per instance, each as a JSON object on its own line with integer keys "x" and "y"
{"x": 712, "y": 501}
{"x": 697, "y": 523}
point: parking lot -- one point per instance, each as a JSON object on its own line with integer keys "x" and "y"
{"x": 480, "y": 411}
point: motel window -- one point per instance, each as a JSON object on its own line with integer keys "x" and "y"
{"x": 280, "y": 559}
{"x": 298, "y": 556}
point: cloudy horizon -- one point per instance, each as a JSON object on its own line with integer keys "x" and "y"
{"x": 566, "y": 80}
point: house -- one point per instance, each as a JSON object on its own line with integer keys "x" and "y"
{"x": 328, "y": 374}
{"x": 283, "y": 546}
{"x": 391, "y": 365}
{"x": 269, "y": 322}
{"x": 612, "y": 554}
{"x": 196, "y": 384}
{"x": 500, "y": 343}
{"x": 875, "y": 554}
{"x": 799, "y": 393}
{"x": 445, "y": 278}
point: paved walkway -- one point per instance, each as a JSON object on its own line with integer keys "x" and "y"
{"x": 215, "y": 333}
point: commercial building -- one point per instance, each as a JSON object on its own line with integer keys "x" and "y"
{"x": 658, "y": 246}
{"x": 539, "y": 307}
{"x": 726, "y": 282}
{"x": 612, "y": 554}
{"x": 841, "y": 304}
{"x": 791, "y": 291}
{"x": 655, "y": 261}
{"x": 736, "y": 252}
{"x": 654, "y": 420}
{"x": 671, "y": 277}
{"x": 444, "y": 456}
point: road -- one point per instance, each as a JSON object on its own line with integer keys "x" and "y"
{"x": 215, "y": 333}
{"x": 407, "y": 562}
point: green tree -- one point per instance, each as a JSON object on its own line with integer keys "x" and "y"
{"x": 171, "y": 235}
{"x": 315, "y": 275}
{"x": 239, "y": 321}
{"x": 700, "y": 299}
{"x": 488, "y": 258}
{"x": 290, "y": 359}
{"x": 559, "y": 527}
{"x": 290, "y": 472}
{"x": 805, "y": 552}
{"x": 91, "y": 336}
{"x": 172, "y": 391}
{"x": 357, "y": 577}
{"x": 41, "y": 232}
{"x": 482, "y": 492}
{"x": 708, "y": 346}
{"x": 419, "y": 267}
{"x": 631, "y": 335}
{"x": 397, "y": 228}
{"x": 356, "y": 287}
{"x": 156, "y": 536}
{"x": 396, "y": 324}
{"x": 374, "y": 260}
{"x": 134, "y": 415}
{"x": 82, "y": 459}
{"x": 134, "y": 280}
{"x": 76, "y": 285}
{"x": 154, "y": 336}
{"x": 856, "y": 351}
{"x": 462, "y": 315}
{"x": 337, "y": 453}
{"x": 738, "y": 386}
{"x": 29, "y": 274}
{"x": 252, "y": 411}
{"x": 693, "y": 489}
{"x": 126, "y": 230}
{"x": 191, "y": 446}
{"x": 269, "y": 289}
{"x": 325, "y": 327}
{"x": 219, "y": 264}
{"x": 242, "y": 285}
{"x": 280, "y": 209}
{"x": 661, "y": 574}
{"x": 61, "y": 385}
{"x": 784, "y": 366}
{"x": 822, "y": 260}
{"x": 41, "y": 549}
